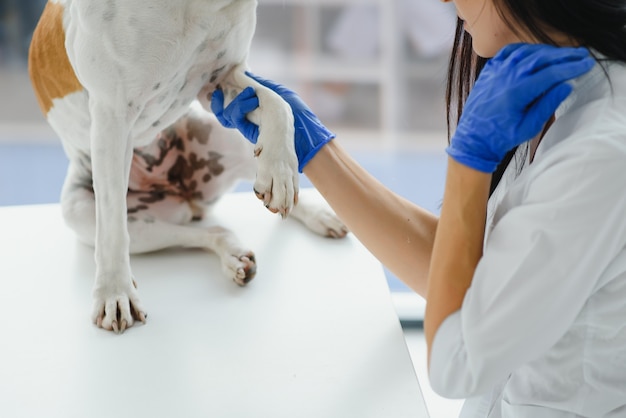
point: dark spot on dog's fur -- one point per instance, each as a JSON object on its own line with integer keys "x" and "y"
{"x": 156, "y": 86}
{"x": 185, "y": 170}
{"x": 136, "y": 209}
{"x": 221, "y": 54}
{"x": 109, "y": 12}
{"x": 202, "y": 47}
{"x": 181, "y": 170}
{"x": 169, "y": 140}
{"x": 157, "y": 123}
{"x": 181, "y": 174}
{"x": 152, "y": 197}
{"x": 216, "y": 73}
{"x": 215, "y": 167}
{"x": 199, "y": 131}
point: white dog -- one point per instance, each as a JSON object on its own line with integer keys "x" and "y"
{"x": 125, "y": 84}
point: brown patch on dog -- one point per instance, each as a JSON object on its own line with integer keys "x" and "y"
{"x": 50, "y": 70}
{"x": 168, "y": 140}
{"x": 132, "y": 210}
{"x": 171, "y": 166}
{"x": 199, "y": 130}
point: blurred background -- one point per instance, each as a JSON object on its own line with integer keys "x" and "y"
{"x": 373, "y": 71}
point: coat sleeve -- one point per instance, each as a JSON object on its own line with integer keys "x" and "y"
{"x": 541, "y": 262}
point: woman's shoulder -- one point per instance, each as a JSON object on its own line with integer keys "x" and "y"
{"x": 605, "y": 82}
{"x": 594, "y": 115}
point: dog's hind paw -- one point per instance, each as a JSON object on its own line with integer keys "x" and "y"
{"x": 241, "y": 268}
{"x": 313, "y": 212}
{"x": 328, "y": 225}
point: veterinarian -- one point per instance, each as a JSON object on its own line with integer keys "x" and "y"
{"x": 524, "y": 271}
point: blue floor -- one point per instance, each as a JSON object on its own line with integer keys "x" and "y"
{"x": 33, "y": 174}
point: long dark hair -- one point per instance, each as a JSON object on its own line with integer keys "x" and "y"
{"x": 599, "y": 25}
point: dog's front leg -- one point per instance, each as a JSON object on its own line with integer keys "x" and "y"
{"x": 277, "y": 170}
{"x": 116, "y": 302}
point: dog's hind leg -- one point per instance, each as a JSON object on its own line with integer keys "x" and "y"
{"x": 165, "y": 224}
{"x": 238, "y": 263}
{"x": 158, "y": 226}
{"x": 316, "y": 215}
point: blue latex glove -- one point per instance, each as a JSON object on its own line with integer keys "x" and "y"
{"x": 310, "y": 134}
{"x": 516, "y": 93}
{"x": 234, "y": 115}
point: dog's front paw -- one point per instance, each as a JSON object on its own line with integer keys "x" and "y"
{"x": 277, "y": 178}
{"x": 277, "y": 174}
{"x": 117, "y": 306}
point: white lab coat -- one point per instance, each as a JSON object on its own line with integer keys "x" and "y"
{"x": 542, "y": 329}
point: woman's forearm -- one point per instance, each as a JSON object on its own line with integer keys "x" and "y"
{"x": 458, "y": 244}
{"x": 399, "y": 233}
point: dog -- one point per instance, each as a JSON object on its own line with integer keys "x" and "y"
{"x": 126, "y": 85}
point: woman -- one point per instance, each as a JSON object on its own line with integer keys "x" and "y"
{"x": 524, "y": 272}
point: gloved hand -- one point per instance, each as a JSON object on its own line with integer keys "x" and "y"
{"x": 234, "y": 115}
{"x": 514, "y": 96}
{"x": 310, "y": 134}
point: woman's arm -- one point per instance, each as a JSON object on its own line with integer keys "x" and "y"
{"x": 458, "y": 244}
{"x": 399, "y": 233}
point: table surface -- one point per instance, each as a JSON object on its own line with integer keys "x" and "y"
{"x": 315, "y": 333}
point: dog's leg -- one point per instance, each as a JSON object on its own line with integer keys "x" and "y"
{"x": 277, "y": 171}
{"x": 155, "y": 226}
{"x": 116, "y": 302}
{"x": 316, "y": 215}
{"x": 151, "y": 234}
{"x": 313, "y": 212}
{"x": 164, "y": 224}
